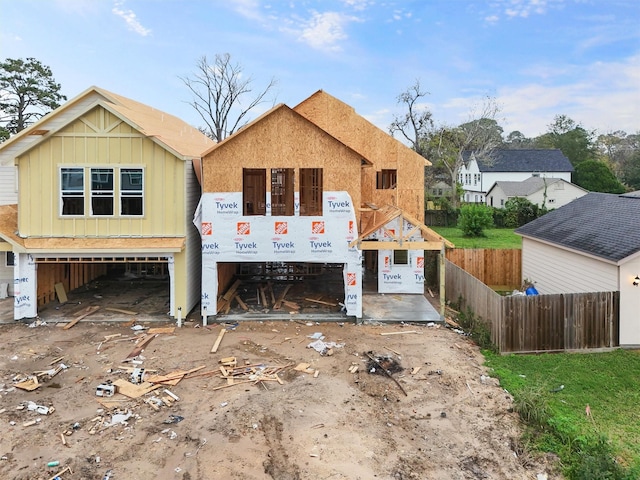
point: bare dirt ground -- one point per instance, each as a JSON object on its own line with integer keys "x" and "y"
{"x": 455, "y": 422}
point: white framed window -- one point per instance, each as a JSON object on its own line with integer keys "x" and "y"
{"x": 102, "y": 186}
{"x": 131, "y": 192}
{"x": 72, "y": 191}
{"x": 10, "y": 259}
{"x": 401, "y": 257}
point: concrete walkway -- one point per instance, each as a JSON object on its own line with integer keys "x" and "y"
{"x": 398, "y": 307}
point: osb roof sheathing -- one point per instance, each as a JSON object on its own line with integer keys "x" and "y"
{"x": 167, "y": 130}
{"x": 9, "y": 224}
{"x": 280, "y": 108}
{"x": 342, "y": 121}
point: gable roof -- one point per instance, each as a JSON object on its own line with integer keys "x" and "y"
{"x": 526, "y": 160}
{"x": 525, "y": 187}
{"x": 600, "y": 224}
{"x": 341, "y": 121}
{"x": 279, "y": 111}
{"x": 167, "y": 130}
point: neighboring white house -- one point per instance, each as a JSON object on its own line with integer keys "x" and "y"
{"x": 478, "y": 174}
{"x": 551, "y": 193}
{"x": 8, "y": 196}
{"x": 590, "y": 245}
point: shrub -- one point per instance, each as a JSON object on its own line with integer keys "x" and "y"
{"x": 474, "y": 219}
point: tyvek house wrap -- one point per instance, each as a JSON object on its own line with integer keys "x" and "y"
{"x": 229, "y": 236}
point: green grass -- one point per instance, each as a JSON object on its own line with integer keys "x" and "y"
{"x": 607, "y": 382}
{"x": 494, "y": 238}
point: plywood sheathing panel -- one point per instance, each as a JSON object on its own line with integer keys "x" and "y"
{"x": 375, "y": 145}
{"x": 281, "y": 138}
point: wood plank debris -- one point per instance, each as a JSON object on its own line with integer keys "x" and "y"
{"x": 130, "y": 390}
{"x": 119, "y": 310}
{"x": 278, "y": 304}
{"x": 399, "y": 333}
{"x": 162, "y": 330}
{"x": 321, "y": 302}
{"x": 28, "y": 385}
{"x": 60, "y": 291}
{"x": 143, "y": 342}
{"x": 216, "y": 345}
{"x": 83, "y": 313}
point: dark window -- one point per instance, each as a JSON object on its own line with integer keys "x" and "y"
{"x": 131, "y": 192}
{"x": 400, "y": 257}
{"x": 386, "y": 179}
{"x": 10, "y": 261}
{"x": 101, "y": 191}
{"x": 282, "y": 191}
{"x": 310, "y": 191}
{"x": 254, "y": 191}
{"x": 72, "y": 191}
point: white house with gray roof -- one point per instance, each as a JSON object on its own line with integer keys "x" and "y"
{"x": 549, "y": 192}
{"x": 478, "y": 174}
{"x": 590, "y": 245}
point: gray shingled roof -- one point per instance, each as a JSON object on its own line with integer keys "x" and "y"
{"x": 525, "y": 187}
{"x": 601, "y": 224}
{"x": 527, "y": 160}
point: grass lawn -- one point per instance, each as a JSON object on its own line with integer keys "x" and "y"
{"x": 494, "y": 238}
{"x": 606, "y": 382}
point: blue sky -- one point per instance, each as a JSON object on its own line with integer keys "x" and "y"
{"x": 537, "y": 58}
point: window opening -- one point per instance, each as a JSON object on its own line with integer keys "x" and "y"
{"x": 401, "y": 257}
{"x": 282, "y": 202}
{"x": 72, "y": 191}
{"x": 131, "y": 192}
{"x": 310, "y": 191}
{"x": 254, "y": 193}
{"x": 10, "y": 259}
{"x": 386, "y": 179}
{"x": 101, "y": 191}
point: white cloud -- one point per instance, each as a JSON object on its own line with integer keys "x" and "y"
{"x": 130, "y": 18}
{"x": 324, "y": 31}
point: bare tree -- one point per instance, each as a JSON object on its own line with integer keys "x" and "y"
{"x": 479, "y": 136}
{"x": 219, "y": 91}
{"x": 416, "y": 123}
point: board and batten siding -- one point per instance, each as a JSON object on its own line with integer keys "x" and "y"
{"x": 193, "y": 242}
{"x": 561, "y": 271}
{"x": 100, "y": 139}
{"x": 8, "y": 185}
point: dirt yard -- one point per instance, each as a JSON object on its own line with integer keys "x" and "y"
{"x": 438, "y": 416}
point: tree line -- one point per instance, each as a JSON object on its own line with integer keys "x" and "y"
{"x": 223, "y": 97}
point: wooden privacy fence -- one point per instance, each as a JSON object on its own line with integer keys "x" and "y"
{"x": 538, "y": 323}
{"x": 499, "y": 268}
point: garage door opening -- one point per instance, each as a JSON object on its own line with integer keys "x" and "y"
{"x": 277, "y": 288}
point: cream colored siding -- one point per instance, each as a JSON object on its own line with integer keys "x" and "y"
{"x": 6, "y": 273}
{"x": 193, "y": 243}
{"x": 99, "y": 139}
{"x": 558, "y": 194}
{"x": 560, "y": 271}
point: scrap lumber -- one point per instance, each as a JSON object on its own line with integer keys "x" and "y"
{"x": 173, "y": 378}
{"x": 214, "y": 349}
{"x": 62, "y": 294}
{"x": 119, "y": 310}
{"x": 162, "y": 330}
{"x": 263, "y": 296}
{"x": 243, "y": 305}
{"x": 291, "y": 305}
{"x": 398, "y": 333}
{"x": 271, "y": 294}
{"x": 229, "y": 293}
{"x": 28, "y": 385}
{"x": 84, "y": 313}
{"x": 278, "y": 304}
{"x": 322, "y": 302}
{"x": 141, "y": 345}
{"x": 130, "y": 390}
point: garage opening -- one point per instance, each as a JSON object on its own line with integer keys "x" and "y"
{"x": 137, "y": 284}
{"x": 280, "y": 287}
